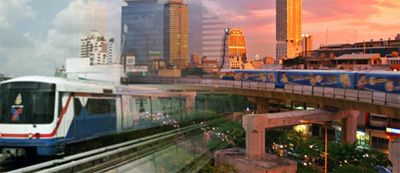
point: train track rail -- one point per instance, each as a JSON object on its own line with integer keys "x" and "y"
{"x": 102, "y": 158}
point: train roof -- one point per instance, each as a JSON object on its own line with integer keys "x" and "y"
{"x": 88, "y": 86}
{"x": 68, "y": 85}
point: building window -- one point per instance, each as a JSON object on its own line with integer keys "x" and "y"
{"x": 380, "y": 143}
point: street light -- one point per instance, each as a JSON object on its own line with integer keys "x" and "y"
{"x": 326, "y": 140}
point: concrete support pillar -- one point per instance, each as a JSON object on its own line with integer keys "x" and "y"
{"x": 255, "y": 144}
{"x": 262, "y": 104}
{"x": 190, "y": 100}
{"x": 255, "y": 136}
{"x": 349, "y": 126}
{"x": 394, "y": 154}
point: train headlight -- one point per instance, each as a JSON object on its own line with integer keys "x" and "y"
{"x": 30, "y": 135}
{"x": 37, "y": 135}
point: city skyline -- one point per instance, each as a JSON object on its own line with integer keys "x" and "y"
{"x": 39, "y": 33}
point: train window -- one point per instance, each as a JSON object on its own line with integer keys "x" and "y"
{"x": 100, "y": 106}
{"x": 77, "y": 106}
{"x": 25, "y": 104}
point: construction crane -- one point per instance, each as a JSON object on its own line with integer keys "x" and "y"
{"x": 122, "y": 55}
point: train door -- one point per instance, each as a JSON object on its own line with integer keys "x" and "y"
{"x": 128, "y": 107}
{"x": 65, "y": 117}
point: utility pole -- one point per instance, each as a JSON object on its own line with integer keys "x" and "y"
{"x": 148, "y": 60}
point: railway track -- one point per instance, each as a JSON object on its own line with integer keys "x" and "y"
{"x": 100, "y": 159}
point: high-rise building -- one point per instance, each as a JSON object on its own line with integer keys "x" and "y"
{"x": 307, "y": 45}
{"x": 94, "y": 47}
{"x": 233, "y": 43}
{"x": 196, "y": 13}
{"x": 205, "y": 31}
{"x": 110, "y": 51}
{"x": 288, "y": 28}
{"x": 176, "y": 28}
{"x": 95, "y": 18}
{"x": 213, "y": 30}
{"x": 144, "y": 21}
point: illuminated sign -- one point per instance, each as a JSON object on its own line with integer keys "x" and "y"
{"x": 154, "y": 52}
{"x": 393, "y": 131}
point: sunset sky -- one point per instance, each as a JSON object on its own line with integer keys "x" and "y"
{"x": 36, "y": 36}
{"x": 371, "y": 19}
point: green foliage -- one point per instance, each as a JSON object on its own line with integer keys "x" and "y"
{"x": 353, "y": 169}
{"x": 191, "y": 71}
{"x": 240, "y": 103}
{"x": 234, "y": 132}
{"x": 345, "y": 157}
{"x": 305, "y": 169}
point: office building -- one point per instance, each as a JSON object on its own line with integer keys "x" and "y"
{"x": 288, "y": 28}
{"x": 94, "y": 47}
{"x": 307, "y": 45}
{"x": 213, "y": 30}
{"x": 145, "y": 23}
{"x": 176, "y": 21}
{"x": 233, "y": 43}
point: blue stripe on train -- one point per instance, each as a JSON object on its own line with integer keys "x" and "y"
{"x": 88, "y": 126}
{"x": 43, "y": 146}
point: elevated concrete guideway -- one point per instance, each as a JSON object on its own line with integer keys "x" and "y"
{"x": 256, "y": 124}
{"x": 367, "y": 101}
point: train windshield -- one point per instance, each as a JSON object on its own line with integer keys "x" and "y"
{"x": 27, "y": 103}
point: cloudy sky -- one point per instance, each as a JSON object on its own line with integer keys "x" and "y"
{"x": 36, "y": 36}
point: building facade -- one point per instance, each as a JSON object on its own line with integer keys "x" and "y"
{"x": 145, "y": 23}
{"x": 110, "y": 52}
{"x": 307, "y": 45}
{"x": 324, "y": 56}
{"x": 176, "y": 30}
{"x": 94, "y": 47}
{"x": 233, "y": 43}
{"x": 213, "y": 29}
{"x": 288, "y": 28}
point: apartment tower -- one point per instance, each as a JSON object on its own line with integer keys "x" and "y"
{"x": 288, "y": 28}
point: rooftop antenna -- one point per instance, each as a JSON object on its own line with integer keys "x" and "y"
{"x": 326, "y": 41}
{"x": 355, "y": 33}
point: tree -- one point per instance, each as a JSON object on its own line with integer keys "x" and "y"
{"x": 190, "y": 71}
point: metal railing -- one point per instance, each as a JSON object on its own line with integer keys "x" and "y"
{"x": 381, "y": 98}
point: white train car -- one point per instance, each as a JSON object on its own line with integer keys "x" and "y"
{"x": 41, "y": 115}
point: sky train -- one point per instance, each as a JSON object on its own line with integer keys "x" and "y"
{"x": 383, "y": 81}
{"x": 44, "y": 114}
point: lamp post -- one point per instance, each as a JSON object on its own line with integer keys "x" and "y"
{"x": 326, "y": 140}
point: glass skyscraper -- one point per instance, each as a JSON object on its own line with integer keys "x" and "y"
{"x": 144, "y": 21}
